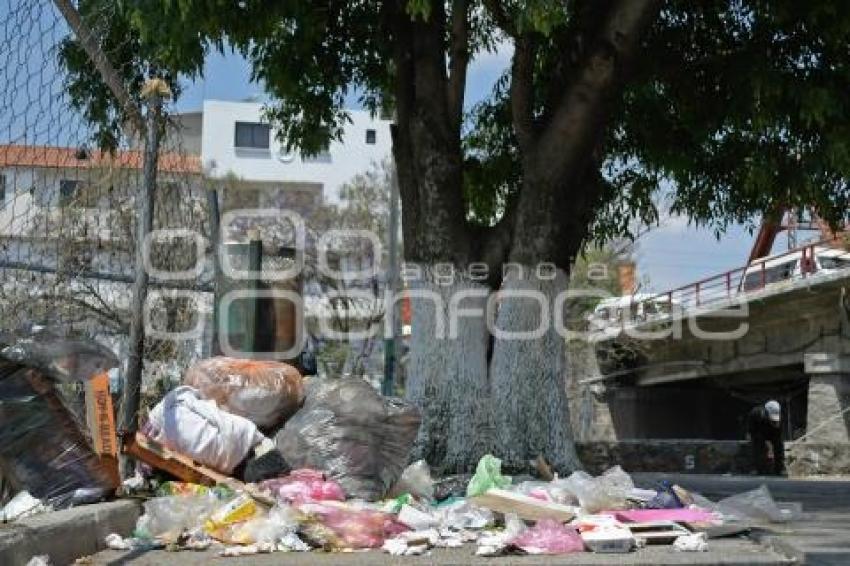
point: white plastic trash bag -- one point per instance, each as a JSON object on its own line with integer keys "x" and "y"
{"x": 195, "y": 427}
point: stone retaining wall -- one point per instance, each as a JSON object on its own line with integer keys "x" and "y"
{"x": 708, "y": 457}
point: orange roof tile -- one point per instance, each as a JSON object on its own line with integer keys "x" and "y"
{"x": 66, "y": 157}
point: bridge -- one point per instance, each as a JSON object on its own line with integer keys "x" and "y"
{"x": 691, "y": 361}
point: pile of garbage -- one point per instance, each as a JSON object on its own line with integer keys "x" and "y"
{"x": 306, "y": 510}
{"x": 263, "y": 460}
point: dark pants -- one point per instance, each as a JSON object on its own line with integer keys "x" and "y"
{"x": 760, "y": 443}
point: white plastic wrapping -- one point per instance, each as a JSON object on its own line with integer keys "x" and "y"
{"x": 197, "y": 428}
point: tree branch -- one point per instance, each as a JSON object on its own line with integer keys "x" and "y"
{"x": 459, "y": 60}
{"x": 579, "y": 118}
{"x": 522, "y": 91}
{"x": 98, "y": 58}
{"x": 500, "y": 16}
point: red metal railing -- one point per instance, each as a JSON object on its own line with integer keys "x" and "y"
{"x": 724, "y": 286}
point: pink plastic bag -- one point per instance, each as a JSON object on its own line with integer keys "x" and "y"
{"x": 305, "y": 485}
{"x": 341, "y": 527}
{"x": 549, "y": 536}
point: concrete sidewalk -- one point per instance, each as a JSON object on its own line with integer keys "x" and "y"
{"x": 66, "y": 535}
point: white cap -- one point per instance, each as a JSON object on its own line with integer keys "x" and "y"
{"x": 774, "y": 411}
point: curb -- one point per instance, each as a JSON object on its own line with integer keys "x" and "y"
{"x": 68, "y": 534}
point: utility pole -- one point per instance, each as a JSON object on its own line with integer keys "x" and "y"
{"x": 388, "y": 386}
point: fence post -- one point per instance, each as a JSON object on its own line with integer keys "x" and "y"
{"x": 388, "y": 384}
{"x": 254, "y": 312}
{"x": 155, "y": 91}
{"x": 218, "y": 277}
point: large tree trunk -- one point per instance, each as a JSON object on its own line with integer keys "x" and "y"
{"x": 528, "y": 375}
{"x": 479, "y": 394}
{"x": 447, "y": 371}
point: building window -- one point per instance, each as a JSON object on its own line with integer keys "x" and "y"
{"x": 321, "y": 157}
{"x": 2, "y": 190}
{"x": 252, "y": 135}
{"x": 371, "y": 137}
{"x": 68, "y": 190}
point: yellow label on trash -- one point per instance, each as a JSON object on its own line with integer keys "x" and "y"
{"x": 240, "y": 509}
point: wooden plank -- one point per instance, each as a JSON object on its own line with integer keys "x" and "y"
{"x": 525, "y": 507}
{"x": 186, "y": 469}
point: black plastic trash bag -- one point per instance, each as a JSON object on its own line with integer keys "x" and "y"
{"x": 347, "y": 430}
{"x": 61, "y": 359}
{"x": 44, "y": 446}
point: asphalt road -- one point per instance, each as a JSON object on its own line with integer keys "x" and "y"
{"x": 821, "y": 537}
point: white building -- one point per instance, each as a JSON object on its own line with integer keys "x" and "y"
{"x": 233, "y": 140}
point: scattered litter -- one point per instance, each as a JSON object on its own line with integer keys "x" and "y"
{"x": 657, "y": 532}
{"x": 415, "y": 480}
{"x": 696, "y": 542}
{"x": 608, "y": 491}
{"x": 462, "y": 514}
{"x": 495, "y": 543}
{"x": 305, "y": 485}
{"x": 115, "y": 541}
{"x": 488, "y": 475}
{"x": 21, "y": 506}
{"x": 167, "y": 518}
{"x": 340, "y": 526}
{"x": 529, "y": 508}
{"x": 548, "y": 536}
{"x": 677, "y": 515}
{"x": 604, "y": 534}
{"x": 665, "y": 498}
{"x": 755, "y": 505}
{"x": 416, "y": 519}
{"x": 247, "y": 550}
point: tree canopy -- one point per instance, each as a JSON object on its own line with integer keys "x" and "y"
{"x": 729, "y": 106}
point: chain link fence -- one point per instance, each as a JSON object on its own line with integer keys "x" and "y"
{"x": 69, "y": 210}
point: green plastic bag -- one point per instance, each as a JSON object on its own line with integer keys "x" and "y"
{"x": 488, "y": 474}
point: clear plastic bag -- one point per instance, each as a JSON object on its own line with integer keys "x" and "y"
{"x": 756, "y": 505}
{"x": 608, "y": 491}
{"x": 165, "y": 518}
{"x": 266, "y": 528}
{"x": 556, "y": 491}
{"x": 415, "y": 480}
{"x": 351, "y": 433}
{"x": 264, "y": 392}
